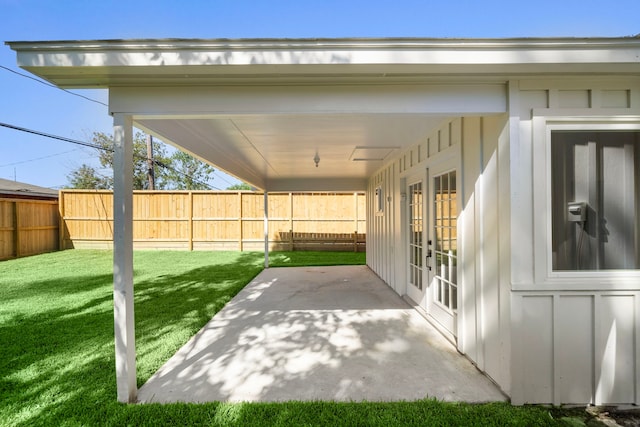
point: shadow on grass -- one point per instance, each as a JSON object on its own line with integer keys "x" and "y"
{"x": 312, "y": 258}
{"x": 57, "y": 362}
{"x": 172, "y": 308}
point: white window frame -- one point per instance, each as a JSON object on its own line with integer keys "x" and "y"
{"x": 544, "y": 122}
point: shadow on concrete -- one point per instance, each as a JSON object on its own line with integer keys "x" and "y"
{"x": 318, "y": 333}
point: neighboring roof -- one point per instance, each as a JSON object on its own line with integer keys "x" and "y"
{"x": 21, "y": 190}
{"x": 151, "y": 62}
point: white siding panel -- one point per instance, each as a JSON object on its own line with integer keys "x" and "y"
{"x": 468, "y": 343}
{"x": 490, "y": 276}
{"x": 615, "y": 350}
{"x": 470, "y": 310}
{"x": 522, "y": 189}
{"x": 445, "y": 140}
{"x": 615, "y": 99}
{"x": 433, "y": 145}
{"x": 574, "y": 98}
{"x": 456, "y": 132}
{"x": 535, "y": 339}
{"x": 505, "y": 198}
{"x": 530, "y": 99}
{"x": 574, "y": 349}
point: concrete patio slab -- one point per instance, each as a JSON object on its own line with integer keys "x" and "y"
{"x": 318, "y": 333}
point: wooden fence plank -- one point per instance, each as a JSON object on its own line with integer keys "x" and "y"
{"x": 28, "y": 227}
{"x": 212, "y": 220}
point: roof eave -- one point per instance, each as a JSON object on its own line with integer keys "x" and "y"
{"x": 105, "y": 63}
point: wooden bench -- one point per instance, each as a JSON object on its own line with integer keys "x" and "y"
{"x": 300, "y": 241}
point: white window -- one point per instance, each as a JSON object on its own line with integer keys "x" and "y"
{"x": 595, "y": 199}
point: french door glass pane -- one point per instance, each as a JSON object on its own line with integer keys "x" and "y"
{"x": 445, "y": 223}
{"x": 415, "y": 234}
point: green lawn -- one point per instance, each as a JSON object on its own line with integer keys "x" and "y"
{"x": 57, "y": 356}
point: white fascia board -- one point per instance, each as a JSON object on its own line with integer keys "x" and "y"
{"x": 438, "y": 99}
{"x": 123, "y": 62}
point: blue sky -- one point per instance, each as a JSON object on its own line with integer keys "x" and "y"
{"x": 26, "y": 103}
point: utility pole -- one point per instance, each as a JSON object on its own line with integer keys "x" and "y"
{"x": 150, "y": 175}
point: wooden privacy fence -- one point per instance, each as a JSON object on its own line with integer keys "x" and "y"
{"x": 27, "y": 227}
{"x": 206, "y": 220}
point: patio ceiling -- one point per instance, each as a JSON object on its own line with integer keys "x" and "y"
{"x": 262, "y": 110}
{"x": 280, "y": 152}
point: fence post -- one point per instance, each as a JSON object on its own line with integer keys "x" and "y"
{"x": 16, "y": 230}
{"x": 355, "y": 210}
{"x": 190, "y": 225}
{"x": 291, "y": 221}
{"x": 60, "y": 220}
{"x": 291, "y": 239}
{"x": 240, "y": 237}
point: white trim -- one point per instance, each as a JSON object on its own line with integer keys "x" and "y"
{"x": 230, "y": 102}
{"x": 571, "y": 83}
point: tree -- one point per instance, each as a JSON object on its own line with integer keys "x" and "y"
{"x": 106, "y": 151}
{"x": 241, "y": 186}
{"x": 88, "y": 177}
{"x": 187, "y": 173}
{"x": 180, "y": 171}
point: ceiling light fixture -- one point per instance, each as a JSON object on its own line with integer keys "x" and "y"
{"x": 316, "y": 159}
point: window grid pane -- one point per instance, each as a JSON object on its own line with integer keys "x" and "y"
{"x": 415, "y": 235}
{"x": 445, "y": 234}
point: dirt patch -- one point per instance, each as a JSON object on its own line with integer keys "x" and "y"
{"x": 625, "y": 418}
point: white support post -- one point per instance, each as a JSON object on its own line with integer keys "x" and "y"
{"x": 123, "y": 259}
{"x": 266, "y": 229}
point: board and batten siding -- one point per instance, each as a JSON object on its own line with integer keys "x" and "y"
{"x": 575, "y": 340}
{"x": 480, "y": 145}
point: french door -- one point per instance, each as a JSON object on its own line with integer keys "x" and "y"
{"x": 432, "y": 260}
{"x": 416, "y": 289}
{"x": 442, "y": 251}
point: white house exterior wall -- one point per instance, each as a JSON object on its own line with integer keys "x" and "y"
{"x": 575, "y": 340}
{"x": 542, "y": 339}
{"x": 484, "y": 302}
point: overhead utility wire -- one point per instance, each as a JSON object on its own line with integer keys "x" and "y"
{"x": 223, "y": 178}
{"x": 75, "y": 141}
{"x": 39, "y": 158}
{"x": 52, "y": 85}
{"x": 48, "y": 135}
{"x": 99, "y": 147}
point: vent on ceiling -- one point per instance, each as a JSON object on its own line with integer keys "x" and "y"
{"x": 371, "y": 154}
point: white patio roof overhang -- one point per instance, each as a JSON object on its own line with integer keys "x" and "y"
{"x": 262, "y": 109}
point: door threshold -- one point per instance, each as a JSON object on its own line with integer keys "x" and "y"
{"x": 433, "y": 322}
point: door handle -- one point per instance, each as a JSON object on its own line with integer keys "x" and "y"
{"x": 428, "y": 259}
